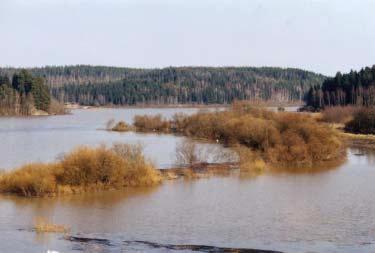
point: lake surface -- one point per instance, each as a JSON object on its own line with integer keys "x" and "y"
{"x": 326, "y": 211}
{"x": 43, "y": 139}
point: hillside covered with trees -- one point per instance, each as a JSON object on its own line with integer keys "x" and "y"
{"x": 22, "y": 94}
{"x": 96, "y": 85}
{"x": 354, "y": 88}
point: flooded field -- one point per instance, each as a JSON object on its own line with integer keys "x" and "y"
{"x": 326, "y": 211}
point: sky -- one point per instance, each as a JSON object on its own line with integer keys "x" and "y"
{"x": 324, "y": 36}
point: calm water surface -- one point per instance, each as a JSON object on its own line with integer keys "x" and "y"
{"x": 40, "y": 139}
{"x": 326, "y": 211}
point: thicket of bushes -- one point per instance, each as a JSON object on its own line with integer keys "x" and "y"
{"x": 280, "y": 138}
{"x": 82, "y": 169}
{"x": 339, "y": 114}
{"x": 145, "y": 123}
{"x": 363, "y": 122}
{"x": 357, "y": 119}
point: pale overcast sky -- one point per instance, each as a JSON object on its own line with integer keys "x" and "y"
{"x": 319, "y": 35}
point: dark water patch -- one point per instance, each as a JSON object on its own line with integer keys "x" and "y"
{"x": 150, "y": 246}
{"x": 100, "y": 241}
{"x": 199, "y": 248}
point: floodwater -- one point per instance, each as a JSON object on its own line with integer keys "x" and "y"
{"x": 323, "y": 211}
{"x": 43, "y": 139}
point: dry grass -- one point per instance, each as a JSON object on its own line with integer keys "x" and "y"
{"x": 41, "y": 225}
{"x": 121, "y": 127}
{"x": 83, "y": 169}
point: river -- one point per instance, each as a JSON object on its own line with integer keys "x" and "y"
{"x": 322, "y": 211}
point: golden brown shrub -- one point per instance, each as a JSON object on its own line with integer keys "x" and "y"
{"x": 121, "y": 127}
{"x": 151, "y": 123}
{"x": 30, "y": 180}
{"x": 83, "y": 168}
{"x": 281, "y": 138}
{"x": 339, "y": 114}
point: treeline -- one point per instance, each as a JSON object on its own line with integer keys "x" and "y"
{"x": 90, "y": 85}
{"x": 23, "y": 93}
{"x": 354, "y": 88}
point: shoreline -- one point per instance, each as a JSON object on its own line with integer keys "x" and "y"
{"x": 359, "y": 140}
{"x": 265, "y": 104}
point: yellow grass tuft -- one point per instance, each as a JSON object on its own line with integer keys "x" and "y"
{"x": 41, "y": 225}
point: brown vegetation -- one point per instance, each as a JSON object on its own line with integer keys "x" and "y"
{"x": 277, "y": 138}
{"x": 363, "y": 122}
{"x": 57, "y": 108}
{"x": 250, "y": 161}
{"x": 82, "y": 169}
{"x": 121, "y": 126}
{"x": 41, "y": 225}
{"x": 339, "y": 114}
{"x": 155, "y": 123}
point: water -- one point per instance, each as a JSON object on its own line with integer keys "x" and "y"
{"x": 43, "y": 139}
{"x": 326, "y": 211}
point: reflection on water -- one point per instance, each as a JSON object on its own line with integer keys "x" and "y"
{"x": 326, "y": 210}
{"x": 40, "y": 139}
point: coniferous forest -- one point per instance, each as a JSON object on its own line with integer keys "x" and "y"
{"x": 22, "y": 94}
{"x": 354, "y": 88}
{"x": 97, "y": 85}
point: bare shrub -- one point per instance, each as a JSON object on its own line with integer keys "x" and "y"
{"x": 186, "y": 153}
{"x": 110, "y": 124}
{"x": 121, "y": 127}
{"x": 83, "y": 168}
{"x": 151, "y": 123}
{"x": 363, "y": 122}
{"x": 250, "y": 161}
{"x": 281, "y": 138}
{"x": 339, "y": 114}
{"x": 30, "y": 180}
{"x": 57, "y": 108}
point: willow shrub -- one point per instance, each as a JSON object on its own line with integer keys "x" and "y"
{"x": 339, "y": 114}
{"x": 83, "y": 168}
{"x": 147, "y": 123}
{"x": 280, "y": 138}
{"x": 121, "y": 126}
{"x": 363, "y": 122}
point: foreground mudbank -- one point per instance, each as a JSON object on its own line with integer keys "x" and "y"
{"x": 83, "y": 169}
{"x": 165, "y": 247}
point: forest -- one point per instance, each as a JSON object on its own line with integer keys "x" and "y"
{"x": 354, "y": 88}
{"x": 98, "y": 85}
{"x": 22, "y": 94}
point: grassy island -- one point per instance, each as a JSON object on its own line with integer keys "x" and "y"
{"x": 83, "y": 169}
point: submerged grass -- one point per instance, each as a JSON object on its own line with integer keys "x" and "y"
{"x": 83, "y": 169}
{"x": 41, "y": 225}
